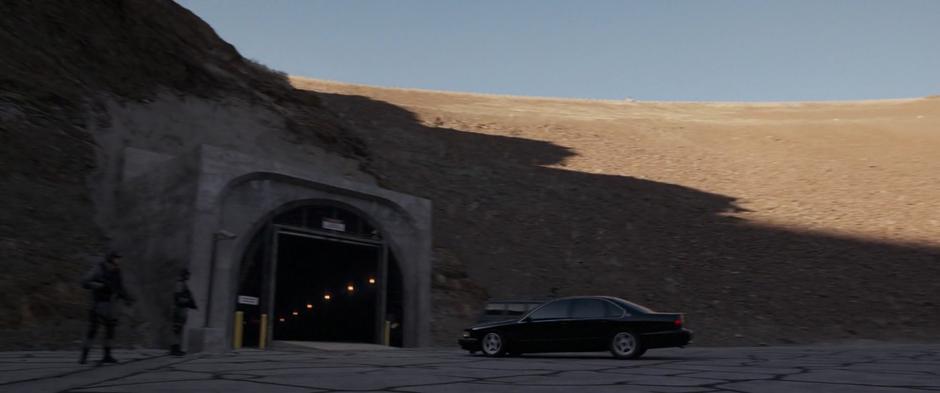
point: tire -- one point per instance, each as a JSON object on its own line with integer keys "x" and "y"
{"x": 493, "y": 344}
{"x": 626, "y": 345}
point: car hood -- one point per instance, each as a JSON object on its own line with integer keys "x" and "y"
{"x": 485, "y": 325}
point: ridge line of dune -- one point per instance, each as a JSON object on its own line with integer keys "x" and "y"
{"x": 613, "y": 101}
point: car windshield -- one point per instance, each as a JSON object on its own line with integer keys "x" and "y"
{"x": 506, "y": 309}
{"x": 553, "y": 310}
{"x": 516, "y": 309}
{"x": 494, "y": 309}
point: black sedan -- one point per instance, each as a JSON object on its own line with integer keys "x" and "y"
{"x": 579, "y": 324}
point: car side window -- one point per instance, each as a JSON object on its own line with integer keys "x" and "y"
{"x": 554, "y": 310}
{"x": 589, "y": 308}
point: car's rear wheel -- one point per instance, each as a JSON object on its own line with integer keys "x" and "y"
{"x": 493, "y": 344}
{"x": 626, "y": 345}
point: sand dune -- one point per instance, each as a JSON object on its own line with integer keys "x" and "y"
{"x": 867, "y": 168}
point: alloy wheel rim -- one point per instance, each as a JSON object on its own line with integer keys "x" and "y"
{"x": 624, "y": 343}
{"x": 492, "y": 343}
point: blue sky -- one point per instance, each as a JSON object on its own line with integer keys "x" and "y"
{"x": 700, "y": 50}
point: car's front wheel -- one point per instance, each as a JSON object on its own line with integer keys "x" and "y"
{"x": 493, "y": 344}
{"x": 626, "y": 345}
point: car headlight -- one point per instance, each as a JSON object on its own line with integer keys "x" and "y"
{"x": 466, "y": 333}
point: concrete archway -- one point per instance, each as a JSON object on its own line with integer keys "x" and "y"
{"x": 238, "y": 195}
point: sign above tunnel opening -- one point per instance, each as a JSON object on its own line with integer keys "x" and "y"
{"x": 334, "y": 224}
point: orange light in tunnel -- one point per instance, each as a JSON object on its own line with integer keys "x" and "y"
{"x": 371, "y": 280}
{"x": 280, "y": 319}
{"x": 350, "y": 288}
{"x": 309, "y": 306}
{"x": 295, "y": 313}
{"x": 327, "y": 296}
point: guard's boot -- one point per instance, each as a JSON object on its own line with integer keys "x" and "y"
{"x": 107, "y": 357}
{"x": 175, "y": 350}
{"x": 84, "y": 358}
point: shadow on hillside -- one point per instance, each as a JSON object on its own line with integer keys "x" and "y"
{"x": 524, "y": 229}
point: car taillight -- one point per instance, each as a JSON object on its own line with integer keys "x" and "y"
{"x": 678, "y": 321}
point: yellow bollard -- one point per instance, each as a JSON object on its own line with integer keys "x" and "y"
{"x": 239, "y": 329}
{"x": 263, "y": 331}
{"x": 388, "y": 333}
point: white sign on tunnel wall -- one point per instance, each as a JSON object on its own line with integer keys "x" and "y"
{"x": 249, "y": 300}
{"x": 334, "y": 224}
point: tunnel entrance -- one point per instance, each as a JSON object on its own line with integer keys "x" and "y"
{"x": 320, "y": 273}
{"x": 325, "y": 290}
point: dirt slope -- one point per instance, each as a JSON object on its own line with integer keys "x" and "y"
{"x": 767, "y": 223}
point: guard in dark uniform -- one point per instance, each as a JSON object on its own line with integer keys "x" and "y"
{"x": 182, "y": 302}
{"x": 104, "y": 281}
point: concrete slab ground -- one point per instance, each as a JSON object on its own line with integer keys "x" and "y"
{"x": 857, "y": 368}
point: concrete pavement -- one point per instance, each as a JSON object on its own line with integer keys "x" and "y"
{"x": 856, "y": 368}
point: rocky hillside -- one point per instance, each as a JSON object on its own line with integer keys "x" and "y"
{"x": 79, "y": 81}
{"x": 766, "y": 223}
